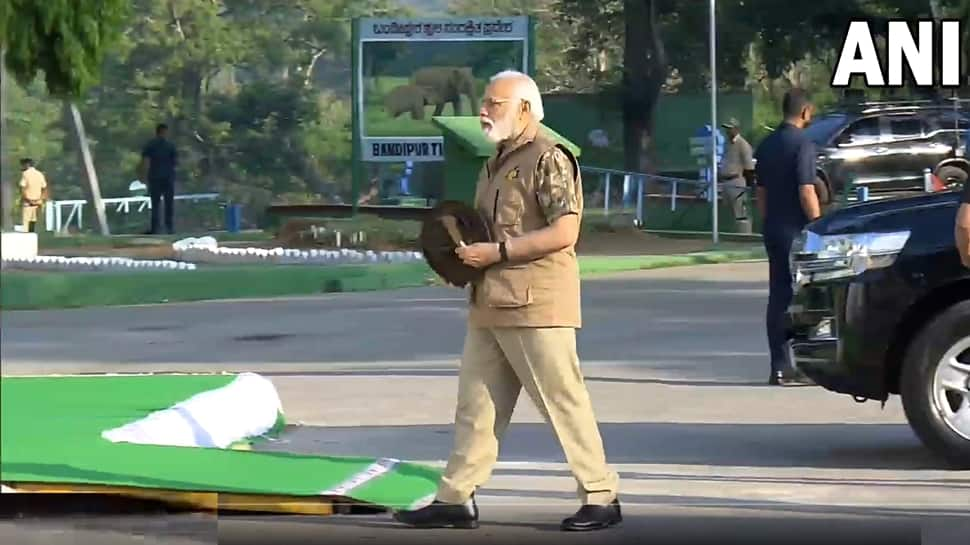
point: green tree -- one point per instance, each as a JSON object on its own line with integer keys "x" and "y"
{"x": 632, "y": 48}
{"x": 66, "y": 42}
{"x": 554, "y": 72}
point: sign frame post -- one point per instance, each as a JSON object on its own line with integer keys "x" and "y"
{"x": 713, "y": 55}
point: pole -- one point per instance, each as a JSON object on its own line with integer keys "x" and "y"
{"x": 713, "y": 42}
{"x": 6, "y": 191}
{"x": 92, "y": 175}
{"x": 356, "y": 92}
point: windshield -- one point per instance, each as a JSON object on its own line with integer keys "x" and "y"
{"x": 822, "y": 128}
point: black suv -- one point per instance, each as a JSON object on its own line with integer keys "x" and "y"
{"x": 882, "y": 306}
{"x": 886, "y": 146}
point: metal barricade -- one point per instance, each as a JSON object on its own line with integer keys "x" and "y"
{"x": 636, "y": 187}
{"x": 55, "y": 221}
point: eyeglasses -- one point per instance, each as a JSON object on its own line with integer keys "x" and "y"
{"x": 492, "y": 103}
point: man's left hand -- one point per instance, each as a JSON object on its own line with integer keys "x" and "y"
{"x": 479, "y": 255}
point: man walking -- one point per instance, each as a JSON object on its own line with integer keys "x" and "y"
{"x": 737, "y": 173}
{"x": 523, "y": 317}
{"x": 787, "y": 202}
{"x": 33, "y": 193}
{"x": 159, "y": 159}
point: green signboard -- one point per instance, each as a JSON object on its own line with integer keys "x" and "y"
{"x": 407, "y": 71}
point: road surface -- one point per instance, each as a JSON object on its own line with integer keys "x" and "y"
{"x": 676, "y": 364}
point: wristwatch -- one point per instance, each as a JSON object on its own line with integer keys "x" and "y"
{"x": 503, "y": 252}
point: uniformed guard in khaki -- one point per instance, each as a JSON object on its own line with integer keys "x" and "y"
{"x": 33, "y": 186}
{"x": 736, "y": 165}
{"x": 522, "y": 328}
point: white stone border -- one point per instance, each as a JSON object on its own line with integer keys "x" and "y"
{"x": 207, "y": 250}
{"x": 100, "y": 264}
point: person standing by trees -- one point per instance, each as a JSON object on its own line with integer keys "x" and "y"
{"x": 787, "y": 201}
{"x": 737, "y": 173}
{"x": 158, "y": 161}
{"x": 33, "y": 193}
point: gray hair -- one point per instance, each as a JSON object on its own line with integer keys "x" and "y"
{"x": 526, "y": 90}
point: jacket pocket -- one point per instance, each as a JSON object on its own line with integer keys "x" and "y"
{"x": 508, "y": 287}
{"x": 509, "y": 208}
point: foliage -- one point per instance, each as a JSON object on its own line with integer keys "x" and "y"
{"x": 64, "y": 40}
{"x": 36, "y": 124}
{"x": 257, "y": 92}
{"x": 554, "y": 71}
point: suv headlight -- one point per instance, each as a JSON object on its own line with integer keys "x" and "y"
{"x": 826, "y": 257}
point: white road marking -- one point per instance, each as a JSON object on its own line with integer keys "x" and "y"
{"x": 371, "y": 472}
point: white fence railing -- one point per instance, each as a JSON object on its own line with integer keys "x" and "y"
{"x": 55, "y": 211}
{"x": 634, "y": 189}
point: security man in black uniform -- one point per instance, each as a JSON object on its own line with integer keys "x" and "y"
{"x": 787, "y": 201}
{"x": 159, "y": 161}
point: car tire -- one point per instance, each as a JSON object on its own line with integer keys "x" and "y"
{"x": 952, "y": 176}
{"x": 924, "y": 356}
{"x": 823, "y": 191}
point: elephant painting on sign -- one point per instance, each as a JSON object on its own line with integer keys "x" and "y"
{"x": 445, "y": 84}
{"x": 406, "y": 98}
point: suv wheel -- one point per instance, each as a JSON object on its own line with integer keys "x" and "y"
{"x": 935, "y": 385}
{"x": 952, "y": 176}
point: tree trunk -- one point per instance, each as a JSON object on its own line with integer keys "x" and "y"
{"x": 94, "y": 189}
{"x": 308, "y": 78}
{"x": 6, "y": 189}
{"x": 644, "y": 72}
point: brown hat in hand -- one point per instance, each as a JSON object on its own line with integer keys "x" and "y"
{"x": 450, "y": 224}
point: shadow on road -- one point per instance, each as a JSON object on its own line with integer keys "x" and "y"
{"x": 454, "y": 373}
{"x": 505, "y": 525}
{"x": 824, "y": 446}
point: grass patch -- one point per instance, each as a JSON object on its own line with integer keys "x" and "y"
{"x": 33, "y": 290}
{"x": 47, "y": 290}
{"x": 595, "y": 265}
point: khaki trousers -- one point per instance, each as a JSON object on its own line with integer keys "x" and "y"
{"x": 734, "y": 194}
{"x": 496, "y": 364}
{"x": 28, "y": 215}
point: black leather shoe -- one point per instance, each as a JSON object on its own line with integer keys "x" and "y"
{"x": 593, "y": 517}
{"x": 441, "y": 515}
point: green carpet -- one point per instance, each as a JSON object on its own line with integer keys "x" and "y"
{"x": 50, "y": 432}
{"x": 21, "y": 290}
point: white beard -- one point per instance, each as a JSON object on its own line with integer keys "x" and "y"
{"x": 494, "y": 132}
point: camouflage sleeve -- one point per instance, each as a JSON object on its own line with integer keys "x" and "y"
{"x": 556, "y": 185}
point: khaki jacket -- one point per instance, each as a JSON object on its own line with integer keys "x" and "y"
{"x": 510, "y": 192}
{"x": 738, "y": 157}
{"x": 32, "y": 186}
